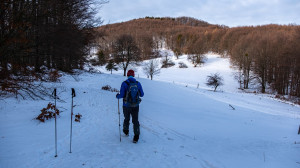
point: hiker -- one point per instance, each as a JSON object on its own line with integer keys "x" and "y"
{"x": 131, "y": 91}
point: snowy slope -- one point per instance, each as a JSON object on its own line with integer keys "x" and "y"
{"x": 191, "y": 76}
{"x": 180, "y": 126}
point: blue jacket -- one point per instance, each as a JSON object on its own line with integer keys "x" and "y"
{"x": 124, "y": 88}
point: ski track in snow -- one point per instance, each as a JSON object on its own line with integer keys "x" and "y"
{"x": 180, "y": 127}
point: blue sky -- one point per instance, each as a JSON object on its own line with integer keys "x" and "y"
{"x": 224, "y": 12}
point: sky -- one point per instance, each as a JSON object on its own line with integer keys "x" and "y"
{"x": 231, "y": 13}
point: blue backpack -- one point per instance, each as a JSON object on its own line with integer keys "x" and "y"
{"x": 132, "y": 97}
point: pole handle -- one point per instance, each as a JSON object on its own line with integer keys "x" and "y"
{"x": 54, "y": 92}
{"x": 73, "y": 92}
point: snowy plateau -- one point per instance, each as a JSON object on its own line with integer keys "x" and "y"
{"x": 183, "y": 124}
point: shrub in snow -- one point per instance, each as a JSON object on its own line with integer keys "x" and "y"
{"x": 9, "y": 87}
{"x": 94, "y": 62}
{"x": 182, "y": 65}
{"x": 166, "y": 60}
{"x": 93, "y": 70}
{"x": 295, "y": 100}
{"x": 167, "y": 64}
{"x": 48, "y": 112}
{"x": 108, "y": 88}
{"x": 54, "y": 76}
{"x": 78, "y": 117}
{"x": 26, "y": 86}
{"x": 214, "y": 80}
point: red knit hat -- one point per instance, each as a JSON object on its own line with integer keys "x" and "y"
{"x": 130, "y": 73}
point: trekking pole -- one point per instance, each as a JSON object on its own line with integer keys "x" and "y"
{"x": 73, "y": 95}
{"x": 54, "y": 93}
{"x": 119, "y": 120}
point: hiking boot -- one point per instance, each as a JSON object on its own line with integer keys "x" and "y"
{"x": 126, "y": 132}
{"x": 135, "y": 138}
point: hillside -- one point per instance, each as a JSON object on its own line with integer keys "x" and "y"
{"x": 181, "y": 126}
{"x": 150, "y": 32}
{"x": 156, "y": 23}
{"x": 266, "y": 55}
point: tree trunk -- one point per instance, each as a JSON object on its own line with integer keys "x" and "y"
{"x": 215, "y": 88}
{"x": 124, "y": 71}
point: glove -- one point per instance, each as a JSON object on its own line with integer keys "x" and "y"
{"x": 117, "y": 95}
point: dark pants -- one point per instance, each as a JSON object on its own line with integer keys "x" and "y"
{"x": 134, "y": 112}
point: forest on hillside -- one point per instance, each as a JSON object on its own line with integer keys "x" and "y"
{"x": 268, "y": 55}
{"x": 38, "y": 38}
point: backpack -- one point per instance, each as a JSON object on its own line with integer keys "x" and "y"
{"x": 132, "y": 97}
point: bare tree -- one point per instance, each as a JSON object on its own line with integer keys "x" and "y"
{"x": 214, "y": 80}
{"x": 196, "y": 51}
{"x": 152, "y": 68}
{"x": 125, "y": 51}
{"x": 242, "y": 56}
{"x": 166, "y": 61}
{"x": 197, "y": 59}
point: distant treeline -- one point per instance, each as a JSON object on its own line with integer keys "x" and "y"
{"x": 267, "y": 55}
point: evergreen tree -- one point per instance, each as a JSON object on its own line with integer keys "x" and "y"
{"x": 111, "y": 66}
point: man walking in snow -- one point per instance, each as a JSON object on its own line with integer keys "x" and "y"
{"x": 131, "y": 91}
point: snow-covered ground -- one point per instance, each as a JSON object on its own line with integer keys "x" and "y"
{"x": 181, "y": 125}
{"x": 191, "y": 76}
